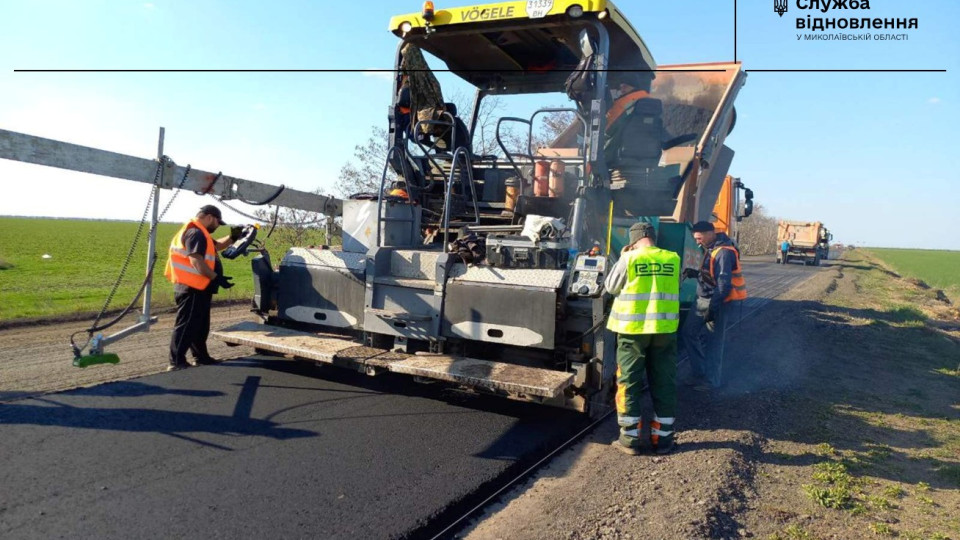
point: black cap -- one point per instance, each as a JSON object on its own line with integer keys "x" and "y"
{"x": 212, "y": 210}
{"x": 640, "y": 230}
{"x": 703, "y": 226}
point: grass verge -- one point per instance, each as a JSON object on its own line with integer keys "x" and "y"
{"x": 872, "y": 446}
{"x": 59, "y": 267}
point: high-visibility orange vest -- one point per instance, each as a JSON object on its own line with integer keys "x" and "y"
{"x": 620, "y": 105}
{"x": 739, "y": 289}
{"x": 179, "y": 269}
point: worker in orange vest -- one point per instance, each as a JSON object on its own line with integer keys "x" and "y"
{"x": 721, "y": 289}
{"x": 197, "y": 274}
{"x": 626, "y": 93}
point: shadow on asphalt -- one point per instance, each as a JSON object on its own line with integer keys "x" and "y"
{"x": 142, "y": 420}
{"x": 134, "y": 389}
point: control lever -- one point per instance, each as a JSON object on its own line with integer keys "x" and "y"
{"x": 240, "y": 246}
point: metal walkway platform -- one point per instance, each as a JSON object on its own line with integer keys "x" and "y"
{"x": 340, "y": 351}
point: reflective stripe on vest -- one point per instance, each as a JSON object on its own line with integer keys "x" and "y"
{"x": 650, "y": 296}
{"x": 649, "y": 302}
{"x": 738, "y": 291}
{"x": 184, "y": 253}
{"x": 179, "y": 269}
{"x": 644, "y": 317}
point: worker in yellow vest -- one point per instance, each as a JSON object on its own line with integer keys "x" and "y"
{"x": 645, "y": 316}
{"x": 720, "y": 291}
{"x": 196, "y": 274}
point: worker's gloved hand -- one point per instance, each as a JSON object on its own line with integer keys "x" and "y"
{"x": 709, "y": 316}
{"x": 711, "y": 326}
{"x": 224, "y": 282}
{"x": 690, "y": 273}
{"x": 236, "y": 233}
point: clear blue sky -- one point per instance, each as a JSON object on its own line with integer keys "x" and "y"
{"x": 870, "y": 154}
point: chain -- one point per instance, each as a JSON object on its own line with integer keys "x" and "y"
{"x": 96, "y": 327}
{"x": 133, "y": 246}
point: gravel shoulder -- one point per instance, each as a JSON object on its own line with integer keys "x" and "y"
{"x": 37, "y": 359}
{"x": 817, "y": 386}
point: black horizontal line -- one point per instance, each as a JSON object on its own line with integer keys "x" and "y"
{"x": 348, "y": 70}
{"x": 848, "y": 70}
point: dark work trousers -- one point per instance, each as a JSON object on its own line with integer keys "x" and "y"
{"x": 783, "y": 257}
{"x": 192, "y": 326}
{"x": 704, "y": 346}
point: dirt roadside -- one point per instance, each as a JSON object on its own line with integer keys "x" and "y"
{"x": 37, "y": 359}
{"x": 841, "y": 419}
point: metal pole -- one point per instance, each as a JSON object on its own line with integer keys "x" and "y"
{"x": 152, "y": 244}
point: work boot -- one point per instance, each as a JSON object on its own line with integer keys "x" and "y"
{"x": 177, "y": 367}
{"x": 628, "y": 445}
{"x": 202, "y": 361}
{"x": 664, "y": 445}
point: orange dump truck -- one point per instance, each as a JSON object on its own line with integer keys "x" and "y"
{"x": 807, "y": 241}
{"x": 728, "y": 211}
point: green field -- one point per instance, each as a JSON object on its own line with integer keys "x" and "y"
{"x": 939, "y": 269}
{"x": 85, "y": 260}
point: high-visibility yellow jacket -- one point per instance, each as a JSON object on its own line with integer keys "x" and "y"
{"x": 179, "y": 269}
{"x": 649, "y": 302}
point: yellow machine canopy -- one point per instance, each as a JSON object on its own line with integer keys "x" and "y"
{"x": 522, "y": 46}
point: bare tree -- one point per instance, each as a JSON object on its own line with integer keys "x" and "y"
{"x": 363, "y": 173}
{"x": 758, "y": 233}
{"x": 485, "y": 130}
{"x": 547, "y": 128}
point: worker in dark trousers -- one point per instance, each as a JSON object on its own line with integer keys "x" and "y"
{"x": 645, "y": 316}
{"x": 196, "y": 274}
{"x": 720, "y": 291}
{"x": 784, "y": 251}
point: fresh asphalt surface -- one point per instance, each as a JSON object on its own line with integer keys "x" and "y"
{"x": 258, "y": 448}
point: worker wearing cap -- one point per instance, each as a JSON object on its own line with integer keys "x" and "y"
{"x": 720, "y": 290}
{"x": 196, "y": 274}
{"x": 645, "y": 316}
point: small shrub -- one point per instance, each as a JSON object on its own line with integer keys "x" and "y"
{"x": 835, "y": 497}
{"x": 825, "y": 449}
{"x": 880, "y": 503}
{"x": 831, "y": 472}
{"x": 881, "y": 529}
{"x": 894, "y": 492}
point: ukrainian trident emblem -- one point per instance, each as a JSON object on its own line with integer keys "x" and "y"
{"x": 780, "y": 6}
